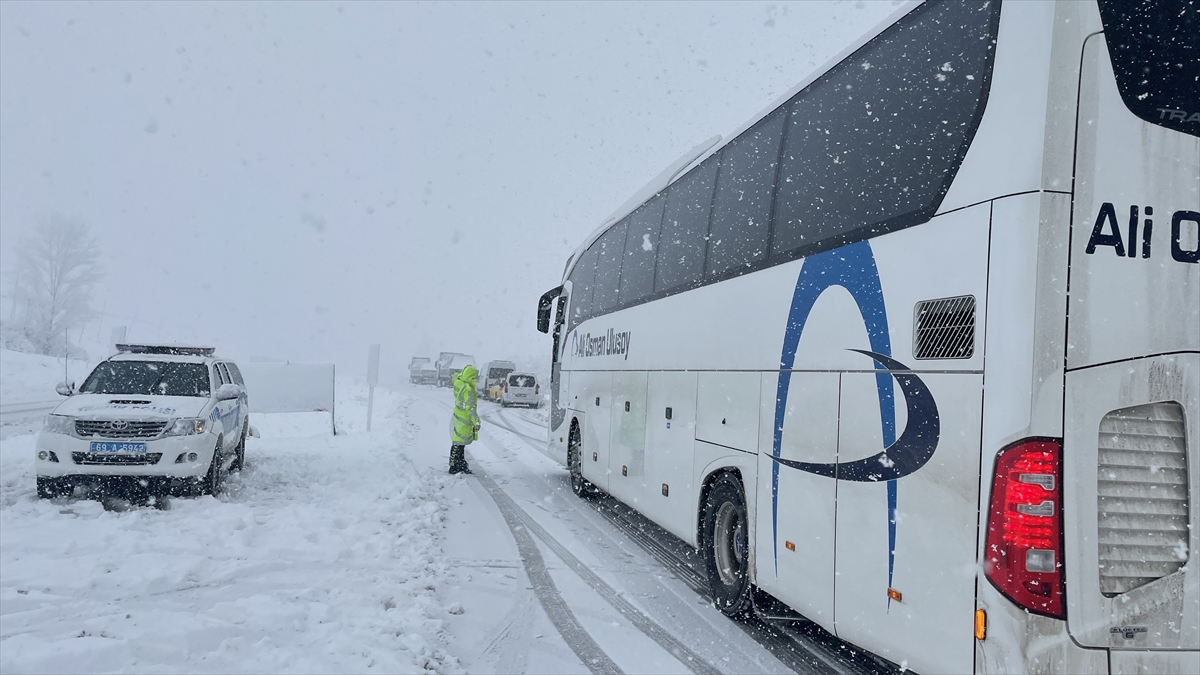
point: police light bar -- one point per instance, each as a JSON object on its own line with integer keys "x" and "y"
{"x": 177, "y": 350}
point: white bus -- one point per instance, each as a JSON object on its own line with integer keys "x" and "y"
{"x": 917, "y": 350}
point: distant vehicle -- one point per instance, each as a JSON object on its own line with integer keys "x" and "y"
{"x": 425, "y": 373}
{"x": 459, "y": 362}
{"x": 415, "y": 369}
{"x": 521, "y": 389}
{"x": 918, "y": 352}
{"x": 443, "y": 367}
{"x": 151, "y": 420}
{"x": 494, "y": 372}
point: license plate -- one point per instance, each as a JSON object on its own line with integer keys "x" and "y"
{"x": 119, "y": 448}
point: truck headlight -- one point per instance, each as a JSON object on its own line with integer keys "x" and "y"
{"x": 187, "y": 427}
{"x": 59, "y": 424}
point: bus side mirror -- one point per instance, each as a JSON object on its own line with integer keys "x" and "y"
{"x": 544, "y": 305}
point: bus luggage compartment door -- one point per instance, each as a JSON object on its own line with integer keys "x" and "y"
{"x": 670, "y": 497}
{"x": 627, "y": 457}
{"x": 906, "y": 548}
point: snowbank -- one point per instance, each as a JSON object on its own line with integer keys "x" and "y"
{"x": 322, "y": 556}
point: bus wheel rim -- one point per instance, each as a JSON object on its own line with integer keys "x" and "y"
{"x": 729, "y": 544}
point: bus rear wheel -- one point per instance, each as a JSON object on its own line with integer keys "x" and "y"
{"x": 579, "y": 485}
{"x": 726, "y": 547}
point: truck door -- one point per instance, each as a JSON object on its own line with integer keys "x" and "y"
{"x": 1132, "y": 399}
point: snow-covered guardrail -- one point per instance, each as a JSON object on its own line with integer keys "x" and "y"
{"x": 290, "y": 387}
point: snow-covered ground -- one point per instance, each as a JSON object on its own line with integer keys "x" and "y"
{"x": 352, "y": 553}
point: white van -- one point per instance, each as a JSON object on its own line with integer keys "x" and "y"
{"x": 492, "y": 373}
{"x": 521, "y": 389}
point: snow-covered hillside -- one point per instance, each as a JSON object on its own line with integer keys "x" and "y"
{"x": 32, "y": 377}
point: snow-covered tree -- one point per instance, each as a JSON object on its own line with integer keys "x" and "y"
{"x": 56, "y": 267}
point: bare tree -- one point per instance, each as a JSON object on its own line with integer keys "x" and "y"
{"x": 56, "y": 268}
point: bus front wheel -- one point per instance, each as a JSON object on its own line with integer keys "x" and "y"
{"x": 725, "y": 545}
{"x": 579, "y": 485}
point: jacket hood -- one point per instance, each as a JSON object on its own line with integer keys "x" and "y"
{"x": 468, "y": 372}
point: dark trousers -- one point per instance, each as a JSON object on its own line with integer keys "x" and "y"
{"x": 458, "y": 459}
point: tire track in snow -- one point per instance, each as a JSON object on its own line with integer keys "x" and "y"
{"x": 823, "y": 654}
{"x": 573, "y": 633}
{"x": 645, "y": 624}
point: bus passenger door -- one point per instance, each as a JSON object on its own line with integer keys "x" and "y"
{"x": 794, "y": 529}
{"x": 670, "y": 498}
{"x": 905, "y": 553}
{"x": 627, "y": 458}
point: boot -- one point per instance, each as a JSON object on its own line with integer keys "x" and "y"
{"x": 458, "y": 459}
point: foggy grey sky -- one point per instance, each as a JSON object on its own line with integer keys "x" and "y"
{"x": 301, "y": 180}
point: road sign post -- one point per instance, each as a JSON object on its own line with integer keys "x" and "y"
{"x": 372, "y": 379}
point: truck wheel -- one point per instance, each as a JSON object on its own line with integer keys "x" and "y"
{"x": 725, "y": 545}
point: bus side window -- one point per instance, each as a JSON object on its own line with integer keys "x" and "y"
{"x": 873, "y": 145}
{"x": 681, "y": 246}
{"x": 610, "y": 248}
{"x": 742, "y": 207}
{"x": 641, "y": 248}
{"x": 581, "y": 288}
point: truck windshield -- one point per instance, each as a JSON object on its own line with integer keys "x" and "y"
{"x": 1154, "y": 47}
{"x": 148, "y": 378}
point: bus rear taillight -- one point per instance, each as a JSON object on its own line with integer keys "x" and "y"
{"x": 1024, "y": 556}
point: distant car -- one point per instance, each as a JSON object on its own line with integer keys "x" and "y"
{"x": 494, "y": 372}
{"x": 521, "y": 389}
{"x": 152, "y": 420}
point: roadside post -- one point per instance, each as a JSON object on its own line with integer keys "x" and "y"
{"x": 372, "y": 379}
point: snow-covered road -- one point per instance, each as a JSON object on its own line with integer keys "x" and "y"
{"x": 358, "y": 553}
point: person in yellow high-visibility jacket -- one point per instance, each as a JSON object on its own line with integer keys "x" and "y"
{"x": 464, "y": 426}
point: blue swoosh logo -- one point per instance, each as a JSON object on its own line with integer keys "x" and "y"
{"x": 910, "y": 452}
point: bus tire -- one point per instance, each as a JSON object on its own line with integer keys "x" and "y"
{"x": 579, "y": 485}
{"x": 725, "y": 545}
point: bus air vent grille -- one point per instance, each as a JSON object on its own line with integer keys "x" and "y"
{"x": 1143, "y": 496}
{"x": 945, "y": 328}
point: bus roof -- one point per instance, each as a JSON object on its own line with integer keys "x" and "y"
{"x": 714, "y": 145}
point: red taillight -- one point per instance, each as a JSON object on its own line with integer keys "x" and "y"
{"x": 506, "y": 387}
{"x": 1024, "y": 556}
{"x": 537, "y": 389}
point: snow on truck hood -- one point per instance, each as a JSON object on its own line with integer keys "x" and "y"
{"x": 128, "y": 406}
